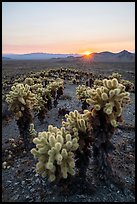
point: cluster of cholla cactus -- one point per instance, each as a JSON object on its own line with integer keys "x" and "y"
{"x": 62, "y": 151}
{"x": 55, "y": 152}
{"x": 94, "y": 127}
{"x": 21, "y": 102}
{"x": 44, "y": 93}
{"x": 27, "y": 96}
{"x": 56, "y": 89}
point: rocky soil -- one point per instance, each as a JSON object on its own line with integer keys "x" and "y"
{"x": 20, "y": 182}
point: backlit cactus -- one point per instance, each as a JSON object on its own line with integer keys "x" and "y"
{"x": 29, "y": 81}
{"x": 110, "y": 98}
{"x": 82, "y": 92}
{"x": 75, "y": 122}
{"x": 115, "y": 75}
{"x": 129, "y": 86}
{"x": 52, "y": 87}
{"x": 82, "y": 95}
{"x": 97, "y": 83}
{"x": 19, "y": 98}
{"x": 21, "y": 102}
{"x": 55, "y": 152}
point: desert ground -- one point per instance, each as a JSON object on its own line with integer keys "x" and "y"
{"x": 20, "y": 182}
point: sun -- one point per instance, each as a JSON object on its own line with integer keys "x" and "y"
{"x": 86, "y": 53}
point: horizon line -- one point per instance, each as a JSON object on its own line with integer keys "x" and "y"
{"x": 64, "y": 53}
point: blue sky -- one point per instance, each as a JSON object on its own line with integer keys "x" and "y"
{"x": 67, "y": 27}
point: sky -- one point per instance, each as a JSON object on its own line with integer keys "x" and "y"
{"x": 67, "y": 27}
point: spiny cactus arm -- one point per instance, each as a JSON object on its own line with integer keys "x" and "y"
{"x": 75, "y": 122}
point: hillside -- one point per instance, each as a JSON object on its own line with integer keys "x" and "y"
{"x": 123, "y": 56}
{"x": 38, "y": 56}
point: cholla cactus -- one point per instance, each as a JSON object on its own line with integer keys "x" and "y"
{"x": 75, "y": 122}
{"x": 77, "y": 125}
{"x": 55, "y": 89}
{"x": 107, "y": 102}
{"x": 115, "y": 75}
{"x": 55, "y": 152}
{"x": 21, "y": 102}
{"x": 110, "y": 98}
{"x": 29, "y": 81}
{"x": 82, "y": 94}
{"x": 19, "y": 98}
{"x": 98, "y": 83}
{"x": 53, "y": 86}
{"x": 35, "y": 87}
{"x": 129, "y": 85}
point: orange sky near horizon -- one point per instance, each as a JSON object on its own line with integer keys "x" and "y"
{"x": 72, "y": 49}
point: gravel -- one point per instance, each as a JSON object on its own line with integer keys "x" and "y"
{"x": 20, "y": 183}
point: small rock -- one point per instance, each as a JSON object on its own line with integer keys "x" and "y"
{"x": 10, "y": 152}
{"x": 28, "y": 180}
{"x": 111, "y": 186}
{"x": 16, "y": 183}
{"x": 38, "y": 199}
{"x": 27, "y": 197}
{"x": 37, "y": 180}
{"x": 4, "y": 165}
{"x": 23, "y": 182}
{"x": 9, "y": 156}
{"x": 17, "y": 197}
{"x": 118, "y": 191}
{"x": 32, "y": 190}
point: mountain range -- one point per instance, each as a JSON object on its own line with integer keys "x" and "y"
{"x": 123, "y": 56}
{"x": 37, "y": 56}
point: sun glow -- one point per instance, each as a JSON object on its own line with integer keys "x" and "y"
{"x": 86, "y": 53}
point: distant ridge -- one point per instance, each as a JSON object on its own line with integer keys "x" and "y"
{"x": 39, "y": 55}
{"x": 106, "y": 56}
{"x": 6, "y": 58}
{"x": 123, "y": 56}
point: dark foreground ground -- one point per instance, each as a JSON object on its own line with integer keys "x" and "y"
{"x": 20, "y": 183}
